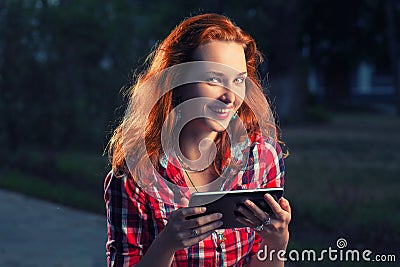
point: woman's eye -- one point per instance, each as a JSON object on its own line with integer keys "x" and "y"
{"x": 239, "y": 80}
{"x": 214, "y": 80}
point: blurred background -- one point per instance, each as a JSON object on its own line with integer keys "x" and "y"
{"x": 331, "y": 71}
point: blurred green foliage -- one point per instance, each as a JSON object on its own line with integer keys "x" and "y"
{"x": 63, "y": 63}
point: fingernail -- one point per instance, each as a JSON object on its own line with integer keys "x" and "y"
{"x": 219, "y": 215}
{"x": 203, "y": 209}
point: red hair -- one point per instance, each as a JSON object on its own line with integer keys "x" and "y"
{"x": 178, "y": 48}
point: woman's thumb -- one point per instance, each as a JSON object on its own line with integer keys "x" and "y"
{"x": 184, "y": 202}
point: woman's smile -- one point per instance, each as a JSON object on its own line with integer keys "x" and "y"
{"x": 221, "y": 113}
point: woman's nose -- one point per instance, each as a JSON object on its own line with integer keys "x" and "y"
{"x": 228, "y": 96}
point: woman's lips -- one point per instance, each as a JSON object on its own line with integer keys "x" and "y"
{"x": 220, "y": 113}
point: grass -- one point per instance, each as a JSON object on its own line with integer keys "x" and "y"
{"x": 71, "y": 178}
{"x": 62, "y": 193}
{"x": 342, "y": 179}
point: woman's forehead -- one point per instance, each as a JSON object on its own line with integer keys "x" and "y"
{"x": 224, "y": 52}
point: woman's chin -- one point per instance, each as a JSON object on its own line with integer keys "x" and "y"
{"x": 218, "y": 125}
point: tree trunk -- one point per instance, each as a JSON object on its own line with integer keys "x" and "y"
{"x": 337, "y": 80}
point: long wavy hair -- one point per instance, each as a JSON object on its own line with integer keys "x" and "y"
{"x": 177, "y": 48}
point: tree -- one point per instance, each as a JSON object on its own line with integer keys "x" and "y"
{"x": 276, "y": 26}
{"x": 343, "y": 33}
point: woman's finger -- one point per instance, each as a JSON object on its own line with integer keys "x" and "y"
{"x": 257, "y": 211}
{"x": 202, "y": 220}
{"x": 276, "y": 208}
{"x": 194, "y": 232}
{"x": 284, "y": 203}
{"x": 187, "y": 212}
{"x": 196, "y": 239}
{"x": 246, "y": 222}
{"x": 195, "y": 235}
{"x": 249, "y": 214}
{"x": 184, "y": 202}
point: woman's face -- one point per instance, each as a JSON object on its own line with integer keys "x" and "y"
{"x": 222, "y": 68}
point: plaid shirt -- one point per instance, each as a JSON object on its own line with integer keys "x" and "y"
{"x": 135, "y": 218}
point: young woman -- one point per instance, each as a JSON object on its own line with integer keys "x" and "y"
{"x": 197, "y": 121}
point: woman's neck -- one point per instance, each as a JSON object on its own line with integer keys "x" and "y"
{"x": 192, "y": 138}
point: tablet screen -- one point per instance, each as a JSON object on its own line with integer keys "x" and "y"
{"x": 226, "y": 202}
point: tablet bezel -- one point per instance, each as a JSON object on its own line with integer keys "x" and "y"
{"x": 226, "y": 202}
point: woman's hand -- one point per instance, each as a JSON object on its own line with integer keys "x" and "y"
{"x": 181, "y": 232}
{"x": 272, "y": 228}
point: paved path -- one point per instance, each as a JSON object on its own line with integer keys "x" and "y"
{"x": 37, "y": 233}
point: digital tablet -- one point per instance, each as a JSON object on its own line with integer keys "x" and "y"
{"x": 226, "y": 202}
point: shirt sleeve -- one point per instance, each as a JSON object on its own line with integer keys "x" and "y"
{"x": 127, "y": 217}
{"x": 273, "y": 175}
{"x": 256, "y": 245}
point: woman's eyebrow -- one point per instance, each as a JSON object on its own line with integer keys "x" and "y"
{"x": 221, "y": 74}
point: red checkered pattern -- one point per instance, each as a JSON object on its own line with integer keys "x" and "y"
{"x": 135, "y": 218}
